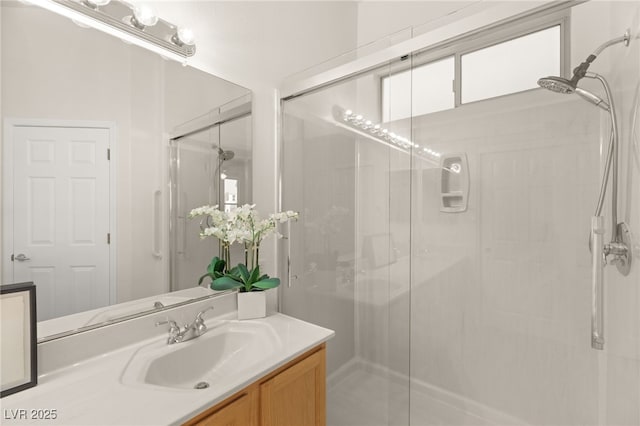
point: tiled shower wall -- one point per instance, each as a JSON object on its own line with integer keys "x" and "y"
{"x": 505, "y": 323}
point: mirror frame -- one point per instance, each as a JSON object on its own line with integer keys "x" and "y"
{"x": 129, "y": 317}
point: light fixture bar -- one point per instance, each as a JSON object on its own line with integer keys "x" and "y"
{"x": 115, "y": 18}
{"x": 348, "y": 119}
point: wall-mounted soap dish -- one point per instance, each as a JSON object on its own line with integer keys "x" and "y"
{"x": 454, "y": 183}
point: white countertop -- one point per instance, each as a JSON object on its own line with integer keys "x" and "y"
{"x": 92, "y": 392}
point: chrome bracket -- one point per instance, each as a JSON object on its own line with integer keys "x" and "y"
{"x": 622, "y": 250}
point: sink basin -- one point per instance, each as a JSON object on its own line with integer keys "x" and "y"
{"x": 225, "y": 350}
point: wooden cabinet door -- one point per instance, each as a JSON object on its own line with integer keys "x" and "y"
{"x": 241, "y": 411}
{"x": 296, "y": 396}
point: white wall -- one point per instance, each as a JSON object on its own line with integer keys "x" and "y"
{"x": 380, "y": 19}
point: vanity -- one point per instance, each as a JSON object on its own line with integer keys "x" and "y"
{"x": 269, "y": 371}
{"x": 294, "y": 394}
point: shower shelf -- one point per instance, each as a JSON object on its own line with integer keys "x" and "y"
{"x": 454, "y": 183}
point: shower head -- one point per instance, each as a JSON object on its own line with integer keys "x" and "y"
{"x": 225, "y": 155}
{"x": 557, "y": 84}
{"x": 567, "y": 87}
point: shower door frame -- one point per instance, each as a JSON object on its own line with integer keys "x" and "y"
{"x": 478, "y": 36}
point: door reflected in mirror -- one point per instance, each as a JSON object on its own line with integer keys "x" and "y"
{"x": 87, "y": 121}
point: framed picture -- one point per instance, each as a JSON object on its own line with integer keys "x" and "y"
{"x": 18, "y": 334}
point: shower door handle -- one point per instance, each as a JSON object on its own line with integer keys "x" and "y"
{"x": 156, "y": 230}
{"x": 597, "y": 278}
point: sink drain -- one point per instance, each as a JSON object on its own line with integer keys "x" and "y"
{"x": 201, "y": 385}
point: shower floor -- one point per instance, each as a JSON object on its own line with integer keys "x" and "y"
{"x": 364, "y": 396}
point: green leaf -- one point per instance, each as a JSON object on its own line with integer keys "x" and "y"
{"x": 216, "y": 265}
{"x": 264, "y": 277}
{"x": 203, "y": 277}
{"x": 255, "y": 275}
{"x": 244, "y": 272}
{"x": 219, "y": 265}
{"x": 268, "y": 283}
{"x": 225, "y": 283}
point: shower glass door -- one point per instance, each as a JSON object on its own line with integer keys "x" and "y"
{"x": 448, "y": 247}
{"x": 348, "y": 256}
{"x": 193, "y": 163}
{"x": 451, "y": 261}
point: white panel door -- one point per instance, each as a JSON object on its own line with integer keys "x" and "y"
{"x": 61, "y": 216}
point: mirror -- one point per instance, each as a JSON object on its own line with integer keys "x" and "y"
{"x": 83, "y": 108}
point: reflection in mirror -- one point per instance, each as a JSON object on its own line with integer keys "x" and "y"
{"x": 210, "y": 165}
{"x": 85, "y": 173}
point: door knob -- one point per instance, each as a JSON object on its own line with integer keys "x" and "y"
{"x": 21, "y": 257}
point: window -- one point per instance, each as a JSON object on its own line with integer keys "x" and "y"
{"x": 230, "y": 194}
{"x": 486, "y": 66}
{"x": 430, "y": 85}
{"x": 510, "y": 67}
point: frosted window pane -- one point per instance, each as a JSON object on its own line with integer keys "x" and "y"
{"x": 433, "y": 87}
{"x": 430, "y": 87}
{"x": 512, "y": 66}
{"x": 396, "y": 92}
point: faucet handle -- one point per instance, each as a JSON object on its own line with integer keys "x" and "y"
{"x": 174, "y": 331}
{"x": 199, "y": 325}
{"x": 199, "y": 317}
{"x": 173, "y": 326}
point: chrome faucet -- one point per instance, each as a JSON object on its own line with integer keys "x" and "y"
{"x": 189, "y": 331}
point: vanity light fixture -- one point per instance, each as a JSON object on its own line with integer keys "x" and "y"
{"x": 134, "y": 24}
{"x": 348, "y": 118}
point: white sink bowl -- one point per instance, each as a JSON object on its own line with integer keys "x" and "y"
{"x": 224, "y": 350}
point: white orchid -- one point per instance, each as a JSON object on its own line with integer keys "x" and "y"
{"x": 241, "y": 224}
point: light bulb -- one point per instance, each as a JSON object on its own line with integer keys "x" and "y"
{"x": 144, "y": 16}
{"x": 96, "y": 3}
{"x": 184, "y": 35}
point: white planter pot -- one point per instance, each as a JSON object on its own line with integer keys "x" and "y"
{"x": 252, "y": 304}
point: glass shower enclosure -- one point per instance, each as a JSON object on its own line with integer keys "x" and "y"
{"x": 445, "y": 240}
{"x": 210, "y": 164}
